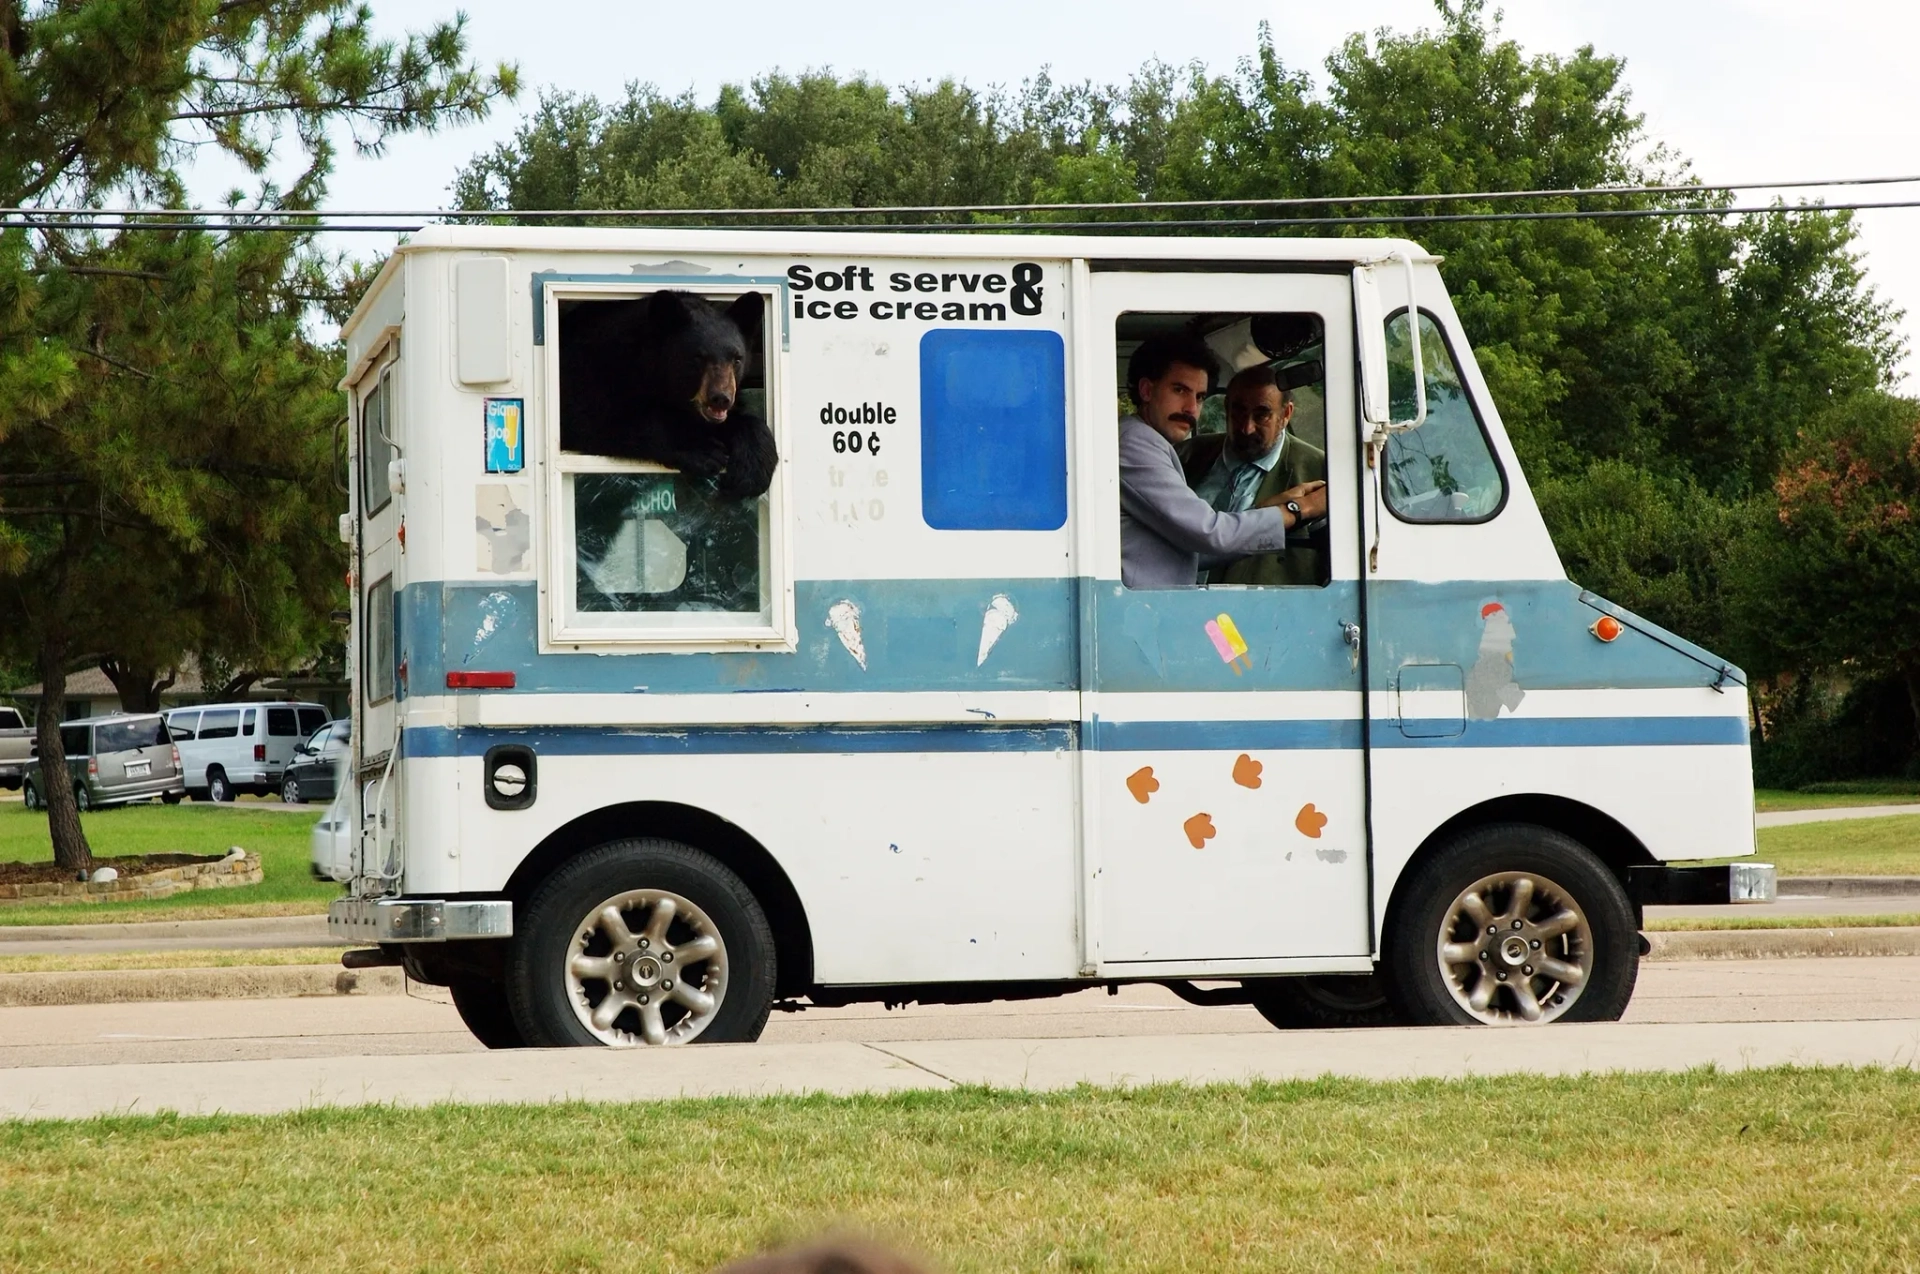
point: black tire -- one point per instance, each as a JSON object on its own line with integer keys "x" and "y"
{"x": 82, "y": 798}
{"x": 1325, "y": 1001}
{"x": 561, "y": 920}
{"x": 1563, "y": 877}
{"x": 30, "y": 797}
{"x": 171, "y": 798}
{"x": 219, "y": 787}
{"x": 482, "y": 1004}
{"x": 290, "y": 791}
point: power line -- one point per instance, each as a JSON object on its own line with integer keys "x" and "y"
{"x": 1565, "y": 192}
{"x": 1209, "y": 223}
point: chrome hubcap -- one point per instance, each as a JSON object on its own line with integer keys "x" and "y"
{"x": 646, "y": 967}
{"x": 1515, "y": 947}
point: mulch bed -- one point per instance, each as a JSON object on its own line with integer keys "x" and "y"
{"x": 133, "y": 865}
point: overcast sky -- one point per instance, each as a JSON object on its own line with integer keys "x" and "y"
{"x": 1745, "y": 89}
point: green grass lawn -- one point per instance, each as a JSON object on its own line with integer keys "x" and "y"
{"x": 1769, "y": 800}
{"x": 281, "y": 840}
{"x": 1848, "y": 847}
{"x": 1773, "y": 1169}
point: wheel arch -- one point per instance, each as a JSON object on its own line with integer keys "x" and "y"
{"x": 704, "y": 830}
{"x": 1608, "y": 838}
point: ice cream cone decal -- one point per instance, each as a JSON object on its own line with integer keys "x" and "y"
{"x": 1227, "y": 640}
{"x": 1000, "y": 616}
{"x": 844, "y": 618}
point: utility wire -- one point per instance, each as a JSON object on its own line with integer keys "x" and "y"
{"x": 1211, "y": 223}
{"x": 1568, "y": 192}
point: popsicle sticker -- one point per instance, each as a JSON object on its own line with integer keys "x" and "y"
{"x": 1000, "y": 616}
{"x": 844, "y": 618}
{"x": 1227, "y": 640}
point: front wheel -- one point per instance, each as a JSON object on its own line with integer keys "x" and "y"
{"x": 171, "y": 798}
{"x": 31, "y": 797}
{"x": 642, "y": 942}
{"x": 290, "y": 791}
{"x": 1512, "y": 924}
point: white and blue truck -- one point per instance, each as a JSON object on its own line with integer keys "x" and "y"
{"x": 634, "y": 764}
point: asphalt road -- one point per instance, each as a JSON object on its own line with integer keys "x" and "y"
{"x": 1703, "y": 991}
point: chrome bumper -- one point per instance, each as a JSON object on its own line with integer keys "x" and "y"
{"x": 377, "y": 920}
{"x": 1703, "y": 886}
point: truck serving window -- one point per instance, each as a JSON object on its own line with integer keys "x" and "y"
{"x": 652, "y": 545}
{"x": 1444, "y": 471}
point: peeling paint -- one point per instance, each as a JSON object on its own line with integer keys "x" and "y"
{"x": 1331, "y": 855}
{"x": 1000, "y": 616}
{"x": 844, "y": 618}
{"x": 1490, "y": 683}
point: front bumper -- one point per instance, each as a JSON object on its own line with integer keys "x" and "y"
{"x": 1664, "y": 886}
{"x": 378, "y": 920}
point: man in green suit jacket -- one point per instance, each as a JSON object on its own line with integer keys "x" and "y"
{"x": 1257, "y": 457}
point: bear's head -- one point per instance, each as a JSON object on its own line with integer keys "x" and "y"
{"x": 691, "y": 351}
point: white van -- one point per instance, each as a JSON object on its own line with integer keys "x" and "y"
{"x": 633, "y": 763}
{"x": 229, "y": 748}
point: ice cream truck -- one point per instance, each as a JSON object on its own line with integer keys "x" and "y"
{"x": 636, "y": 762}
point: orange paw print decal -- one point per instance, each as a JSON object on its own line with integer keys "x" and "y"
{"x": 1199, "y": 830}
{"x": 1310, "y": 821}
{"x": 1246, "y": 771}
{"x": 1142, "y": 783}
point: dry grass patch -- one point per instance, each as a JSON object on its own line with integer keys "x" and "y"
{"x": 116, "y": 960}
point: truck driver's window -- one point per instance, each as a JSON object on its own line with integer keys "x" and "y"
{"x": 1444, "y": 471}
{"x": 1260, "y": 431}
{"x": 666, "y": 461}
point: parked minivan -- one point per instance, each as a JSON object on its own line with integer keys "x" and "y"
{"x": 113, "y": 760}
{"x": 240, "y": 747}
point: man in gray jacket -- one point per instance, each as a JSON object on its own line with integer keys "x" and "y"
{"x": 1166, "y": 531}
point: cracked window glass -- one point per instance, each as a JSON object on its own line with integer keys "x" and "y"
{"x": 662, "y": 543}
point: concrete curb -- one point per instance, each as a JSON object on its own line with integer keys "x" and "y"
{"x": 239, "y": 982}
{"x": 1850, "y": 886}
{"x": 1783, "y": 944}
{"x": 273, "y": 982}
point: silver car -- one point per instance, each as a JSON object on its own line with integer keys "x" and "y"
{"x": 113, "y": 760}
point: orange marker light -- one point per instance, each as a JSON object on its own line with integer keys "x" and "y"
{"x": 1606, "y": 628}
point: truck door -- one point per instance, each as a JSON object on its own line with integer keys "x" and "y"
{"x": 377, "y": 581}
{"x": 1225, "y": 770}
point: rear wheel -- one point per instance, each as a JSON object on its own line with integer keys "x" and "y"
{"x": 218, "y": 786}
{"x": 1512, "y": 924}
{"x": 642, "y": 942}
{"x": 482, "y": 1005}
{"x": 82, "y": 797}
{"x": 1324, "y": 1001}
{"x": 171, "y": 798}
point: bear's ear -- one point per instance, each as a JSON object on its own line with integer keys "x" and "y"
{"x": 670, "y": 311}
{"x": 745, "y": 314}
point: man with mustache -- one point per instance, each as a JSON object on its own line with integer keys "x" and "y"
{"x": 1166, "y": 531}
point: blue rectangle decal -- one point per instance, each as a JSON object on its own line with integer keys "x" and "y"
{"x": 993, "y": 430}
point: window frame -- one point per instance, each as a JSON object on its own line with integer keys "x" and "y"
{"x": 562, "y": 632}
{"x": 1479, "y": 420}
{"x": 367, "y": 662}
{"x": 376, "y": 380}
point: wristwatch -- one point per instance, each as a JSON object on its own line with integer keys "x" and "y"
{"x": 1293, "y": 507}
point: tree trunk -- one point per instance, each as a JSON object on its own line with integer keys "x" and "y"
{"x": 70, "y": 848}
{"x": 1910, "y": 673}
{"x": 140, "y": 688}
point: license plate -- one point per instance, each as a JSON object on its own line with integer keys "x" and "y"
{"x": 139, "y": 769}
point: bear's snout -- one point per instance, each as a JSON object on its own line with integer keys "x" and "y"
{"x": 718, "y": 389}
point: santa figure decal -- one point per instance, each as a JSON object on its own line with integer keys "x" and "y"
{"x": 1490, "y": 686}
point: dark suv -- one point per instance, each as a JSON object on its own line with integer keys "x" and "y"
{"x": 113, "y": 760}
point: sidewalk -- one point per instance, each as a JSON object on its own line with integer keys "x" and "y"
{"x": 1788, "y": 818}
{"x": 540, "y": 1076}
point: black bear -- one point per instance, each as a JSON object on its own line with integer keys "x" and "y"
{"x": 659, "y": 379}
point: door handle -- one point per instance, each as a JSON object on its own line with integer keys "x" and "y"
{"x": 1350, "y": 633}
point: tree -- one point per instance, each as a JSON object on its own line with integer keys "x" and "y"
{"x": 163, "y": 482}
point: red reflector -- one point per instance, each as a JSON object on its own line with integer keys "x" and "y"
{"x": 259, "y": 751}
{"x": 479, "y": 681}
{"x": 1606, "y": 628}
